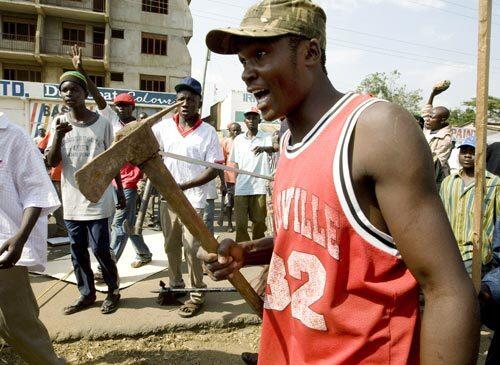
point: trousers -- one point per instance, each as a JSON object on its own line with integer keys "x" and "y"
{"x": 251, "y": 207}
{"x": 177, "y": 237}
{"x": 19, "y": 323}
{"x": 119, "y": 236}
{"x": 95, "y": 233}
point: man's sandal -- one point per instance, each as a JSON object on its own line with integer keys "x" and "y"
{"x": 189, "y": 309}
{"x": 110, "y": 304}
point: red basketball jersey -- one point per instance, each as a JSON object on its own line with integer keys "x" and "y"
{"x": 338, "y": 291}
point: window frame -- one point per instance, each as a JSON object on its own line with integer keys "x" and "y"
{"x": 155, "y": 6}
{"x": 122, "y": 78}
{"x": 154, "y": 44}
{"x": 16, "y": 22}
{"x": 152, "y": 83}
{"x": 31, "y": 71}
{"x": 118, "y": 30}
{"x": 74, "y": 27}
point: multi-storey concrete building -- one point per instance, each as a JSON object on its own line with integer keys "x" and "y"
{"x": 127, "y": 44}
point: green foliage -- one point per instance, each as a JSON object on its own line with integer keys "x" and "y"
{"x": 493, "y": 107}
{"x": 459, "y": 117}
{"x": 388, "y": 87}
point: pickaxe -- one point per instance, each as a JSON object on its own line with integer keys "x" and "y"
{"x": 168, "y": 296}
{"x": 136, "y": 144}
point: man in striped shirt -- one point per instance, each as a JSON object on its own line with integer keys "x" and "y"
{"x": 457, "y": 193}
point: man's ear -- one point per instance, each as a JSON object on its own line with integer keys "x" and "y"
{"x": 201, "y": 104}
{"x": 313, "y": 52}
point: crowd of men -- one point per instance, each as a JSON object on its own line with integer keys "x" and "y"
{"x": 360, "y": 225}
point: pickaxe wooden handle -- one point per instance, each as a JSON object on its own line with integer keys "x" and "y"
{"x": 177, "y": 201}
{"x": 146, "y": 195}
{"x": 138, "y": 146}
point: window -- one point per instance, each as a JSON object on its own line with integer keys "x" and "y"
{"x": 27, "y": 73}
{"x": 155, "y": 6}
{"x": 117, "y": 76}
{"x": 154, "y": 44}
{"x": 73, "y": 34}
{"x": 117, "y": 33}
{"x": 98, "y": 80}
{"x": 152, "y": 83}
{"x": 19, "y": 29}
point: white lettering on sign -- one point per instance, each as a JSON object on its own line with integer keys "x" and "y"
{"x": 50, "y": 91}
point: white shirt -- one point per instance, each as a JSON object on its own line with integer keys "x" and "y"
{"x": 109, "y": 114}
{"x": 247, "y": 160}
{"x": 24, "y": 183}
{"x": 78, "y": 147}
{"x": 200, "y": 142}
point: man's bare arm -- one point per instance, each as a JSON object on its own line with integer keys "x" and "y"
{"x": 15, "y": 244}
{"x": 76, "y": 53}
{"x": 208, "y": 175}
{"x": 389, "y": 150}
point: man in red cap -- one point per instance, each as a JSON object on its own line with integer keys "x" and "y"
{"x": 130, "y": 174}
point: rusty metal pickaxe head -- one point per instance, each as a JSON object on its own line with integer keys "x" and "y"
{"x": 135, "y": 143}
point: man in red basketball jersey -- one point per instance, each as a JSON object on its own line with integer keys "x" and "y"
{"x": 358, "y": 221}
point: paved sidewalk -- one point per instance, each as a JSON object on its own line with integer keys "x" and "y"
{"x": 138, "y": 313}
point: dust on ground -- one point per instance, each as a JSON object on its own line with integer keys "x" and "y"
{"x": 207, "y": 347}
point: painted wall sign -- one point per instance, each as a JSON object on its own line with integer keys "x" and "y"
{"x": 36, "y": 90}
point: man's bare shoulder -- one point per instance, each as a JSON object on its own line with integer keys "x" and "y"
{"x": 388, "y": 137}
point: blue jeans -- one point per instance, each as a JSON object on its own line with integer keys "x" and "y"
{"x": 209, "y": 214}
{"x": 95, "y": 233}
{"x": 496, "y": 244}
{"x": 118, "y": 235}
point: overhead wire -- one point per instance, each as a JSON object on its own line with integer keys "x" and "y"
{"x": 353, "y": 45}
{"x": 409, "y": 1}
{"x": 361, "y": 33}
{"x": 380, "y": 50}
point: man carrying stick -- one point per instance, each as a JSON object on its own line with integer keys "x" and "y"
{"x": 349, "y": 251}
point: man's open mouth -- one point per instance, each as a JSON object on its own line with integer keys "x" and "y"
{"x": 261, "y": 94}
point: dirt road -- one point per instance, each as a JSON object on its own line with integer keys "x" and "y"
{"x": 205, "y": 347}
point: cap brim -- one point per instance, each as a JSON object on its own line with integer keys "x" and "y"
{"x": 225, "y": 41}
{"x": 466, "y": 145}
{"x": 181, "y": 87}
{"x": 251, "y": 112}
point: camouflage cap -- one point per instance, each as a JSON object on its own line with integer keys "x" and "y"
{"x": 271, "y": 18}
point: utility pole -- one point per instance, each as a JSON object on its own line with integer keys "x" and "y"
{"x": 205, "y": 73}
{"x": 483, "y": 68}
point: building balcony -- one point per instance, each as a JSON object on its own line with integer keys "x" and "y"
{"x": 17, "y": 43}
{"x": 58, "y": 51}
{"x": 63, "y": 48}
{"x": 92, "y": 5}
{"x": 19, "y": 6}
{"x": 86, "y": 10}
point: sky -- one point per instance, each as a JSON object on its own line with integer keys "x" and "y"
{"x": 426, "y": 40}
